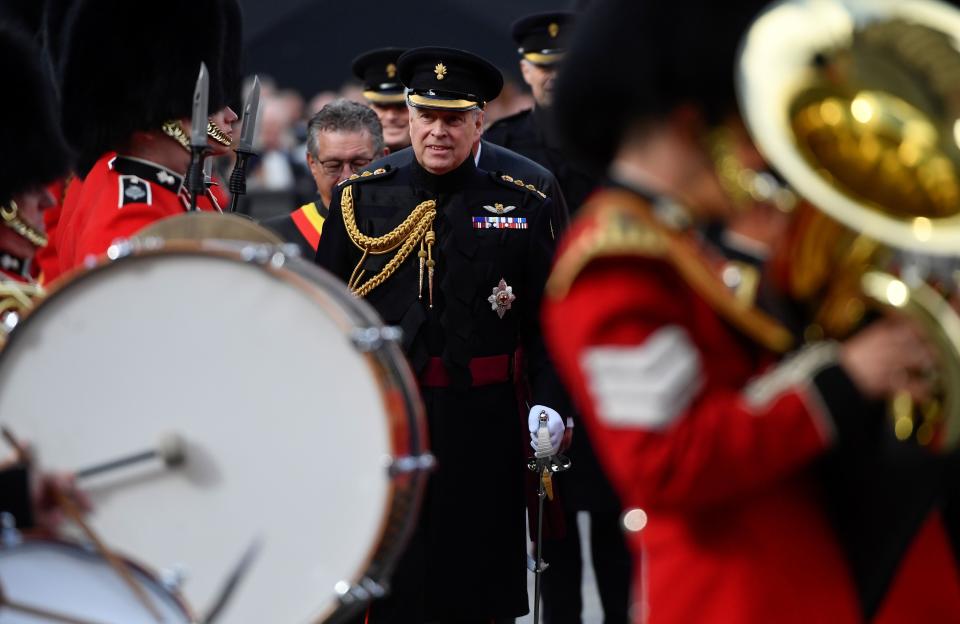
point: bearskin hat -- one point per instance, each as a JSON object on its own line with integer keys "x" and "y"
{"x": 55, "y": 17}
{"x": 129, "y": 66}
{"x": 637, "y": 60}
{"x": 23, "y": 15}
{"x": 35, "y": 153}
{"x": 231, "y": 72}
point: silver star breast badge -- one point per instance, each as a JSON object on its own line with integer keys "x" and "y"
{"x": 502, "y": 298}
{"x": 499, "y": 209}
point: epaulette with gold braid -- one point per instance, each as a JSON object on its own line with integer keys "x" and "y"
{"x": 624, "y": 225}
{"x": 510, "y": 181}
{"x": 364, "y": 175}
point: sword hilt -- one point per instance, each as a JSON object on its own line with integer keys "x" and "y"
{"x": 544, "y": 447}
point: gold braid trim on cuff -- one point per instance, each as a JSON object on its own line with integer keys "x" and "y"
{"x": 417, "y": 228}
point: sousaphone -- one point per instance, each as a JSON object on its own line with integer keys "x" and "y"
{"x": 856, "y": 103}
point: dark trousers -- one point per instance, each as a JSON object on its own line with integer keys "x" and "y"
{"x": 562, "y": 581}
{"x": 405, "y": 603}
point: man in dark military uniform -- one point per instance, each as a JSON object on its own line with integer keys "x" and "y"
{"x": 383, "y": 90}
{"x": 542, "y": 41}
{"x": 465, "y": 285}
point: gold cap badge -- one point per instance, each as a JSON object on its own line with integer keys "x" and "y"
{"x": 391, "y": 71}
{"x": 440, "y": 70}
{"x": 554, "y": 30}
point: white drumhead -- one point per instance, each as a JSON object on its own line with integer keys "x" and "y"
{"x": 285, "y": 422}
{"x": 77, "y": 583}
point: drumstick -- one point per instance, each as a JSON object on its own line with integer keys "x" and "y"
{"x": 73, "y": 512}
{"x": 37, "y": 612}
{"x": 170, "y": 448}
{"x": 21, "y": 450}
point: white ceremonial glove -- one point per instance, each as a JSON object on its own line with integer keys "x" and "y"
{"x": 554, "y": 426}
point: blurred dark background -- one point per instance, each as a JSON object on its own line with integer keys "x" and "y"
{"x": 307, "y": 45}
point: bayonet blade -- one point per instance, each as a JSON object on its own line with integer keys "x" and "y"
{"x": 251, "y": 113}
{"x": 201, "y": 113}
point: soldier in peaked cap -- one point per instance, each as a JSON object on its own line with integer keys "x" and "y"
{"x": 131, "y": 134}
{"x": 385, "y": 93}
{"x": 542, "y": 40}
{"x": 465, "y": 289}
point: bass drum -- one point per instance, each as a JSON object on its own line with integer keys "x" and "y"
{"x": 302, "y": 430}
{"x": 56, "y": 581}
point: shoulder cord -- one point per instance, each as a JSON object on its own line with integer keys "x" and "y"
{"x": 416, "y": 228}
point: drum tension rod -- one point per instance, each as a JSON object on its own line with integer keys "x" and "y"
{"x": 372, "y": 338}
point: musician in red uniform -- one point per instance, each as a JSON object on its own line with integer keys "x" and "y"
{"x": 718, "y": 443}
{"x": 35, "y": 155}
{"x": 128, "y": 81}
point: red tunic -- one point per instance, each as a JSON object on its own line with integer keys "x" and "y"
{"x": 120, "y": 196}
{"x": 697, "y": 424}
{"x": 216, "y": 199}
{"x": 46, "y": 259}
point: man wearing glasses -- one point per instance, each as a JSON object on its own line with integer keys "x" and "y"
{"x": 343, "y": 138}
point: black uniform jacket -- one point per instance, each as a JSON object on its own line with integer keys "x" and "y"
{"x": 489, "y": 230}
{"x": 529, "y": 133}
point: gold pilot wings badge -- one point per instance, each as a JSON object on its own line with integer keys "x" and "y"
{"x": 499, "y": 208}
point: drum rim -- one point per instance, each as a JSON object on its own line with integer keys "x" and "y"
{"x": 388, "y": 365}
{"x": 136, "y": 566}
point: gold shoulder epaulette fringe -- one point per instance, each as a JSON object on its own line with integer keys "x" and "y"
{"x": 510, "y": 180}
{"x": 365, "y": 175}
